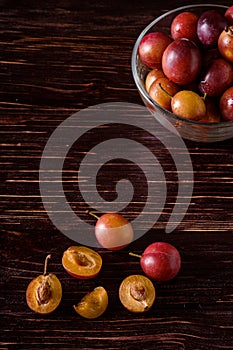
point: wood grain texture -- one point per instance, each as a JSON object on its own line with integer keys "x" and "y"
{"x": 57, "y": 58}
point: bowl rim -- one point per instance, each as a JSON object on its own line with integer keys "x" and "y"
{"x": 140, "y": 87}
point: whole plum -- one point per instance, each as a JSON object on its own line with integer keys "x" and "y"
{"x": 181, "y": 61}
{"x": 229, "y": 14}
{"x": 151, "y": 48}
{"x": 226, "y": 104}
{"x": 225, "y": 43}
{"x": 160, "y": 261}
{"x": 162, "y": 90}
{"x": 184, "y": 25}
{"x": 216, "y": 78}
{"x": 209, "y": 26}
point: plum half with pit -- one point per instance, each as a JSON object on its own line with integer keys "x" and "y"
{"x": 137, "y": 293}
{"x": 44, "y": 292}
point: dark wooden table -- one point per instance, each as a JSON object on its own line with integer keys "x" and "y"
{"x": 57, "y": 58}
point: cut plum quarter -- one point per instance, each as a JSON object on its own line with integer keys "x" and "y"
{"x": 93, "y": 304}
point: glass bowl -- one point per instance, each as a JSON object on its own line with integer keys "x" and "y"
{"x": 188, "y": 129}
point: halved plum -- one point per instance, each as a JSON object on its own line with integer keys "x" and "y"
{"x": 82, "y": 262}
{"x": 137, "y": 293}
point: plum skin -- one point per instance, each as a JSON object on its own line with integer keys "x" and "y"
{"x": 184, "y": 25}
{"x": 226, "y": 104}
{"x": 209, "y": 26}
{"x": 181, "y": 61}
{"x": 161, "y": 261}
{"x": 113, "y": 231}
{"x": 225, "y": 44}
{"x": 151, "y": 48}
{"x": 229, "y": 14}
{"x": 217, "y": 78}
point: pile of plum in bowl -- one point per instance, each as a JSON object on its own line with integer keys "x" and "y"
{"x": 182, "y": 64}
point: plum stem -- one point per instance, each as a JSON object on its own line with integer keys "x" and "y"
{"x": 161, "y": 87}
{"x": 136, "y": 255}
{"x": 229, "y": 29}
{"x": 93, "y": 214}
{"x": 46, "y": 264}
